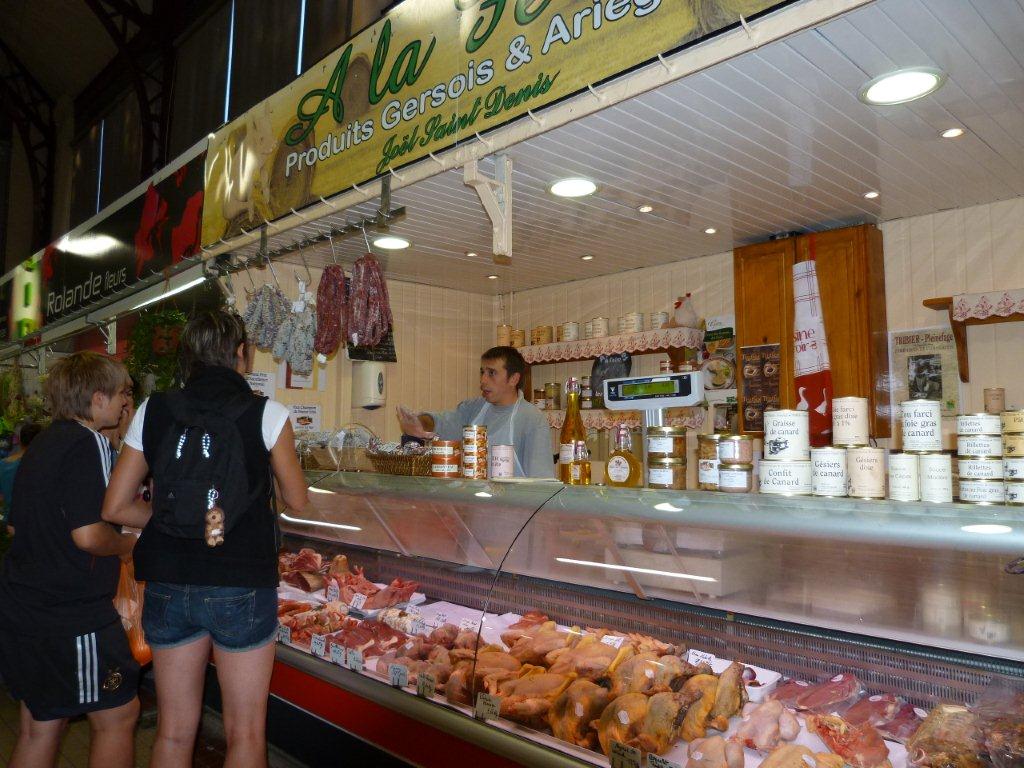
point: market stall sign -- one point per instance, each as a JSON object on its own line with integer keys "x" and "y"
{"x": 428, "y": 75}
{"x": 148, "y": 234}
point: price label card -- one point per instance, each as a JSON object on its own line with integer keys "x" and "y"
{"x": 440, "y": 619}
{"x": 333, "y": 593}
{"x": 338, "y": 655}
{"x": 284, "y": 634}
{"x": 358, "y": 601}
{"x": 354, "y": 659}
{"x": 615, "y": 641}
{"x": 488, "y": 707}
{"x": 625, "y": 757}
{"x": 426, "y": 684}
{"x": 655, "y": 761}
{"x": 417, "y": 627}
{"x": 696, "y": 657}
{"x": 469, "y": 625}
{"x": 398, "y": 675}
{"x": 318, "y": 645}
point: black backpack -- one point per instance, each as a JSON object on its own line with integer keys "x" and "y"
{"x": 200, "y": 463}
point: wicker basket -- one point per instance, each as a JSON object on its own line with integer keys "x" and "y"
{"x": 400, "y": 464}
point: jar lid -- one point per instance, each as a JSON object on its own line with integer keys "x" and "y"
{"x": 714, "y": 437}
{"x": 667, "y": 431}
{"x": 667, "y": 462}
{"x": 736, "y": 438}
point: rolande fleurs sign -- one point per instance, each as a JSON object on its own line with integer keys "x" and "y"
{"x": 432, "y": 73}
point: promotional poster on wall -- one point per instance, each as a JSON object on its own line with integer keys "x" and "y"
{"x": 924, "y": 366}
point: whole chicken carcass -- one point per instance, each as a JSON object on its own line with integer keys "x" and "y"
{"x": 861, "y": 746}
{"x": 660, "y": 727}
{"x": 620, "y": 720}
{"x": 729, "y": 698}
{"x": 702, "y": 688}
{"x": 650, "y": 673}
{"x": 799, "y": 756}
{"x": 535, "y": 643}
{"x": 714, "y": 752}
{"x": 590, "y": 658}
{"x": 765, "y": 725}
{"x": 528, "y": 697}
{"x": 472, "y": 671}
{"x": 573, "y": 711}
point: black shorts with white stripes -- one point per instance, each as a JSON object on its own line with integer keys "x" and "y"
{"x": 59, "y": 677}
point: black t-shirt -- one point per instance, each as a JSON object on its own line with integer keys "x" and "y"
{"x": 47, "y": 584}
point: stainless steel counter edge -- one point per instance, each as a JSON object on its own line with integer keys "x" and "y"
{"x": 502, "y": 743}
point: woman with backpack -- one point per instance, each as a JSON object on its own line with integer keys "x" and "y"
{"x": 208, "y": 549}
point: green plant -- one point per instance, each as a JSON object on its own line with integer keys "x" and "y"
{"x": 153, "y": 349}
{"x": 15, "y": 405}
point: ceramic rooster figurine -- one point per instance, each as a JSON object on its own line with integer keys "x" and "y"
{"x": 683, "y": 316}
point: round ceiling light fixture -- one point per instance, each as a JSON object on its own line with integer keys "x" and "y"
{"x": 870, "y": 195}
{"x": 391, "y": 243}
{"x": 645, "y": 208}
{"x": 471, "y": 254}
{"x": 710, "y": 231}
{"x": 492, "y": 277}
{"x": 952, "y": 133}
{"x": 588, "y": 257}
{"x": 573, "y": 187}
{"x": 902, "y": 86}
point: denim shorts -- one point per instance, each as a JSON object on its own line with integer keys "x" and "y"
{"x": 236, "y": 618}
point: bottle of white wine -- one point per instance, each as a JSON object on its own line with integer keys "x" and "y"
{"x": 573, "y": 430}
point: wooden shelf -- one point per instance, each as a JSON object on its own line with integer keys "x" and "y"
{"x": 998, "y": 309}
{"x": 646, "y": 342}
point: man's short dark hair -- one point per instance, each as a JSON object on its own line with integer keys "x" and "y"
{"x": 27, "y": 433}
{"x": 510, "y": 357}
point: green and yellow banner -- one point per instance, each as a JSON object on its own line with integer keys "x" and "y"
{"x": 430, "y": 74}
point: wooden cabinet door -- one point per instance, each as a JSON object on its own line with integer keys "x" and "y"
{"x": 763, "y": 289}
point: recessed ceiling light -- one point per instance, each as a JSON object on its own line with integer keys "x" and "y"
{"x": 710, "y": 231}
{"x": 645, "y": 208}
{"x": 952, "y": 133}
{"x": 574, "y": 187}
{"x": 492, "y": 277}
{"x": 588, "y": 257}
{"x": 902, "y": 86}
{"x": 870, "y": 195}
{"x": 391, "y": 243}
{"x": 471, "y": 254}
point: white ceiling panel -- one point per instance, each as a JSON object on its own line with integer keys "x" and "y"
{"x": 772, "y": 141}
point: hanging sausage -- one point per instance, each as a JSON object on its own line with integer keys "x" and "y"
{"x": 331, "y": 310}
{"x": 369, "y": 308}
{"x": 267, "y": 309}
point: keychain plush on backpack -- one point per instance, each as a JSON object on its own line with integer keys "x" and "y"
{"x": 214, "y": 521}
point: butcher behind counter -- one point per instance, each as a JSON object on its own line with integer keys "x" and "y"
{"x": 509, "y": 418}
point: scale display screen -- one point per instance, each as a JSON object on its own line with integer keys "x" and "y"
{"x": 649, "y": 388}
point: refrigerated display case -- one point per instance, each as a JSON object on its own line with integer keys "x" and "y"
{"x": 917, "y": 601}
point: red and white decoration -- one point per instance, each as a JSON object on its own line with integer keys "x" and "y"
{"x": 811, "y": 369}
{"x": 691, "y": 418}
{"x": 981, "y": 306}
{"x": 645, "y": 341}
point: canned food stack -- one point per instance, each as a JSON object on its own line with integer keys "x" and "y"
{"x": 1012, "y": 423}
{"x": 922, "y": 443}
{"x": 786, "y": 464}
{"x": 474, "y": 451}
{"x": 632, "y": 322}
{"x": 979, "y": 451}
{"x": 735, "y": 464}
{"x": 446, "y": 458}
{"x": 834, "y": 469}
{"x": 666, "y": 458}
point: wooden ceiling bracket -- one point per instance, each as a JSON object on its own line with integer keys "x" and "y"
{"x": 496, "y": 197}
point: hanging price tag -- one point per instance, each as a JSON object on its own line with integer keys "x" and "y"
{"x": 284, "y": 634}
{"x": 354, "y": 659}
{"x": 615, "y": 641}
{"x": 398, "y": 675}
{"x": 338, "y": 655}
{"x": 426, "y": 684}
{"x": 469, "y": 625}
{"x": 488, "y": 707}
{"x": 333, "y": 593}
{"x": 358, "y": 601}
{"x": 696, "y": 657}
{"x": 317, "y": 645}
{"x": 625, "y": 757}
{"x": 656, "y": 761}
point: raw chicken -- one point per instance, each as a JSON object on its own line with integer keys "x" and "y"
{"x": 861, "y": 746}
{"x": 714, "y": 752}
{"x": 444, "y": 635}
{"x": 650, "y": 673}
{"x": 799, "y": 756}
{"x": 826, "y": 696}
{"x": 531, "y": 645}
{"x": 903, "y": 725}
{"x": 590, "y": 659}
{"x": 437, "y": 664}
{"x": 474, "y": 671}
{"x": 528, "y": 697}
{"x": 701, "y": 689}
{"x": 729, "y": 698}
{"x": 873, "y": 710}
{"x": 572, "y": 712}
{"x": 640, "y": 643}
{"x": 950, "y": 737}
{"x": 662, "y": 721}
{"x": 620, "y": 720}
{"x": 529, "y": 619}
{"x": 765, "y": 725}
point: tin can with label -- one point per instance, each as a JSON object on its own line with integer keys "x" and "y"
{"x": 978, "y": 424}
{"x": 979, "y": 446}
{"x": 446, "y": 458}
{"x": 474, "y": 451}
{"x": 503, "y": 461}
{"x": 736, "y": 478}
{"x": 904, "y": 477}
{"x": 982, "y": 491}
{"x": 635, "y": 321}
{"x": 922, "y": 425}
{"x": 828, "y": 472}
{"x": 1012, "y": 421}
{"x": 588, "y": 329}
{"x": 504, "y": 335}
{"x": 657, "y": 320}
{"x": 979, "y": 469}
{"x": 786, "y": 477}
{"x": 866, "y": 470}
{"x": 786, "y": 435}
{"x": 995, "y": 400}
{"x": 1013, "y": 444}
{"x": 518, "y": 337}
{"x": 849, "y": 421}
{"x": 1013, "y": 468}
{"x": 1014, "y": 491}
{"x": 736, "y": 449}
{"x": 571, "y": 331}
{"x": 599, "y": 327}
{"x": 936, "y": 477}
{"x": 666, "y": 443}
